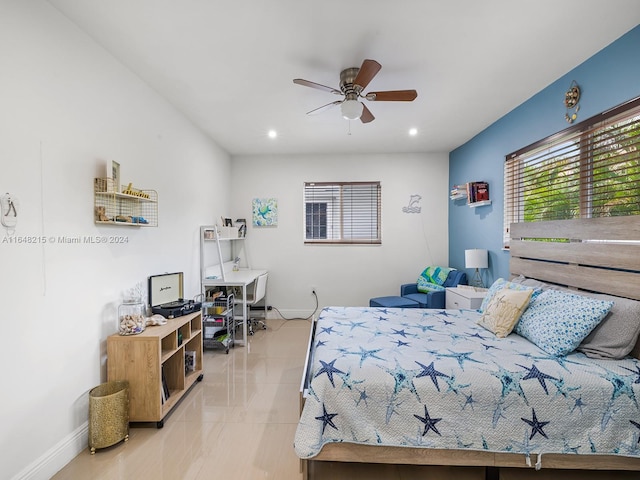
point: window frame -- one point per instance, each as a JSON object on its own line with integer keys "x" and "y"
{"x": 343, "y": 229}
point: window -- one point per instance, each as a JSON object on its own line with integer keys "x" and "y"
{"x": 342, "y": 212}
{"x": 316, "y": 217}
{"x": 589, "y": 170}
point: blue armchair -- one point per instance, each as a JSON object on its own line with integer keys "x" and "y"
{"x": 433, "y": 299}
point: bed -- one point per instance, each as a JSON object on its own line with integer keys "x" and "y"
{"x": 432, "y": 387}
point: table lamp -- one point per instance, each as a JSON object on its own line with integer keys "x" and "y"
{"x": 476, "y": 258}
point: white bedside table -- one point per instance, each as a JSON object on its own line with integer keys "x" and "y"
{"x": 457, "y": 298}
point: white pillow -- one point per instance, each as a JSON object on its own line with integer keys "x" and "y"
{"x": 618, "y": 333}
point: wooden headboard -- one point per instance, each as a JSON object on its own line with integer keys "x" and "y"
{"x": 597, "y": 254}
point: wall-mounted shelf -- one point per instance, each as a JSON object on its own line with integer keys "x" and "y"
{"x": 476, "y": 193}
{"x": 138, "y": 209}
{"x": 479, "y": 204}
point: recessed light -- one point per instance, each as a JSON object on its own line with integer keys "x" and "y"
{"x": 413, "y": 131}
{"x": 272, "y": 134}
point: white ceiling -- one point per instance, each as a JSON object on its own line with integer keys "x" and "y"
{"x": 228, "y": 65}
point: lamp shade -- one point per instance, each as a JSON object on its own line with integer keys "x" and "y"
{"x": 476, "y": 258}
{"x": 351, "y": 109}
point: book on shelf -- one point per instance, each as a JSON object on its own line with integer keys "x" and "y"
{"x": 477, "y": 192}
{"x": 458, "y": 191}
{"x": 189, "y": 361}
{"x": 165, "y": 388}
{"x": 482, "y": 191}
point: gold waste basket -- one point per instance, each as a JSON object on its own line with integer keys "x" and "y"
{"x": 108, "y": 414}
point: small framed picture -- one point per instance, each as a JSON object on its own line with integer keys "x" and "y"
{"x": 241, "y": 223}
{"x": 228, "y": 222}
{"x": 115, "y": 175}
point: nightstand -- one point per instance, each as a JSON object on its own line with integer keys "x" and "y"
{"x": 470, "y": 298}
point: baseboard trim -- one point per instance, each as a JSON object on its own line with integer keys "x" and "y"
{"x": 58, "y": 456}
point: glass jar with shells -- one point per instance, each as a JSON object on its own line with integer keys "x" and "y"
{"x": 131, "y": 316}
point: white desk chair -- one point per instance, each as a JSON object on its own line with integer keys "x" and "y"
{"x": 253, "y": 298}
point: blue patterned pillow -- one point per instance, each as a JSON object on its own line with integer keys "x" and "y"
{"x": 425, "y": 286}
{"x": 558, "y": 321}
{"x": 500, "y": 284}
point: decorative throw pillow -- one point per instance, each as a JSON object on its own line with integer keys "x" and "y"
{"x": 616, "y": 335}
{"x": 425, "y": 286}
{"x": 436, "y": 275}
{"x": 558, "y": 321}
{"x": 500, "y": 284}
{"x": 504, "y": 310}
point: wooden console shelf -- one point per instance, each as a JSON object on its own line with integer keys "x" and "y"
{"x": 143, "y": 359}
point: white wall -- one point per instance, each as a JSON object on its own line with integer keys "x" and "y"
{"x": 67, "y": 108}
{"x": 350, "y": 274}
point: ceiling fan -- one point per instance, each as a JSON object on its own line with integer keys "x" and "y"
{"x": 352, "y": 82}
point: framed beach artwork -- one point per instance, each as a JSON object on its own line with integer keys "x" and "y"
{"x": 265, "y": 212}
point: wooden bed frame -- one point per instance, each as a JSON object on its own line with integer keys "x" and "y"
{"x": 572, "y": 253}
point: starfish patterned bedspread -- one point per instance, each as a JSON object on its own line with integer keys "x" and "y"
{"x": 434, "y": 379}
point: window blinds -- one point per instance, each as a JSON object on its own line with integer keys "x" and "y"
{"x": 342, "y": 212}
{"x": 589, "y": 170}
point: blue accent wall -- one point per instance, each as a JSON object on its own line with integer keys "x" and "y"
{"x": 608, "y": 78}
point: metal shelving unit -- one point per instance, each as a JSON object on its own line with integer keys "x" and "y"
{"x": 218, "y": 320}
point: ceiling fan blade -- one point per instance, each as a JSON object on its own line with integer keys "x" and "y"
{"x": 366, "y": 116}
{"x": 367, "y": 71}
{"x": 392, "y": 96}
{"x": 324, "y": 107}
{"x": 307, "y": 83}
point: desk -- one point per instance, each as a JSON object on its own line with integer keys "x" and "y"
{"x": 240, "y": 278}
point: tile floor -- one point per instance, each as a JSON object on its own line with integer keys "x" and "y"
{"x": 239, "y": 424}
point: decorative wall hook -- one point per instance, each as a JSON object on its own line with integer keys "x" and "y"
{"x": 571, "y": 99}
{"x": 9, "y": 216}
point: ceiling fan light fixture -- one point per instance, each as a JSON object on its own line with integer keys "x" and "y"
{"x": 351, "y": 109}
{"x": 353, "y": 81}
